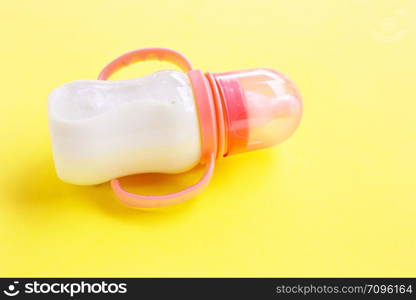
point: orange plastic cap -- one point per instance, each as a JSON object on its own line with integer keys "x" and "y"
{"x": 262, "y": 108}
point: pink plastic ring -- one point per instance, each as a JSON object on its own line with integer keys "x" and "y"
{"x": 206, "y": 112}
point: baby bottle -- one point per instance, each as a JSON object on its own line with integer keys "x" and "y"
{"x": 165, "y": 122}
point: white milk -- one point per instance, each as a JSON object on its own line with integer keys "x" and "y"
{"x": 106, "y": 129}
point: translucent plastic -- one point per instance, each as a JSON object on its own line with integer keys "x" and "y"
{"x": 264, "y": 108}
{"x": 106, "y": 129}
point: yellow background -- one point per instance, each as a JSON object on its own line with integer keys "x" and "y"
{"x": 337, "y": 199}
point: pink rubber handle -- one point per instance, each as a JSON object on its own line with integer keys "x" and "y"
{"x": 144, "y": 54}
{"x": 152, "y": 201}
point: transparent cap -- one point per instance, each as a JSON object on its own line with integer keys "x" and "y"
{"x": 263, "y": 108}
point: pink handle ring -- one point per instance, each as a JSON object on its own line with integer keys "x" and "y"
{"x": 144, "y": 54}
{"x": 152, "y": 201}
